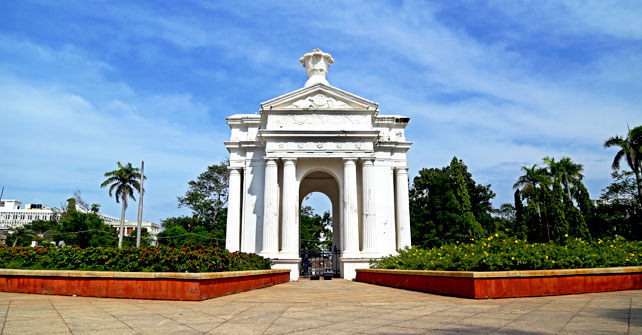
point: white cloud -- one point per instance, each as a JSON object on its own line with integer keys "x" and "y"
{"x": 58, "y": 137}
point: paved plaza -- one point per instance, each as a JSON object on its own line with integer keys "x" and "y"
{"x": 324, "y": 307}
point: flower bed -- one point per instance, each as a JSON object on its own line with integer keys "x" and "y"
{"x": 138, "y": 285}
{"x": 145, "y": 259}
{"x": 500, "y": 266}
{"x": 142, "y": 273}
{"x": 501, "y": 253}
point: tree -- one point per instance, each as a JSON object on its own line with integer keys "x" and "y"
{"x": 630, "y": 150}
{"x": 447, "y": 205}
{"x": 532, "y": 185}
{"x": 569, "y": 175}
{"x": 551, "y": 214}
{"x": 183, "y": 231}
{"x": 207, "y": 195}
{"x": 84, "y": 230}
{"x": 316, "y": 230}
{"x": 505, "y": 218}
{"x": 617, "y": 212}
{"x": 519, "y": 216}
{"x": 84, "y": 205}
{"x": 122, "y": 182}
{"x": 566, "y": 172}
{"x": 528, "y": 183}
{"x": 20, "y": 236}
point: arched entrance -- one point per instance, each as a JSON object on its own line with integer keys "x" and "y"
{"x": 323, "y": 182}
{"x": 320, "y": 259}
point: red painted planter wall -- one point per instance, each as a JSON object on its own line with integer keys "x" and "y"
{"x": 139, "y": 288}
{"x": 482, "y": 288}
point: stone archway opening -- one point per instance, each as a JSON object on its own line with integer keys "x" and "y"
{"x": 319, "y": 232}
{"x": 325, "y": 183}
{"x": 315, "y": 222}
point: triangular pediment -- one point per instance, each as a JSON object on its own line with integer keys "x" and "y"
{"x": 319, "y": 96}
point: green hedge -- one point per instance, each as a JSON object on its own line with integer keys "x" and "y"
{"x": 145, "y": 259}
{"x": 502, "y": 253}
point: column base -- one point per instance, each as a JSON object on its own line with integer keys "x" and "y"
{"x": 268, "y": 254}
{"x": 350, "y": 265}
{"x": 369, "y": 254}
{"x": 291, "y": 264}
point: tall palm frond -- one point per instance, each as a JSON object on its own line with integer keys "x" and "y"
{"x": 631, "y": 150}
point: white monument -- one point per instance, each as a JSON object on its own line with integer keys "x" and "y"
{"x": 318, "y": 139}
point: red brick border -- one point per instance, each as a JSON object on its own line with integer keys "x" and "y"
{"x": 507, "y": 284}
{"x": 135, "y": 285}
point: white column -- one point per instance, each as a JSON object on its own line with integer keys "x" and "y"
{"x": 350, "y": 213}
{"x": 368, "y": 206}
{"x": 233, "y": 228}
{"x": 270, "y": 210}
{"x": 289, "y": 226}
{"x": 403, "y": 211}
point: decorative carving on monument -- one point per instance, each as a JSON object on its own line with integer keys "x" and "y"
{"x": 316, "y": 145}
{"x": 318, "y": 101}
{"x": 318, "y": 119}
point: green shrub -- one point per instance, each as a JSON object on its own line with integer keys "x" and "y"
{"x": 145, "y": 259}
{"x": 502, "y": 253}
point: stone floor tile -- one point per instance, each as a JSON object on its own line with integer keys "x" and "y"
{"x": 109, "y": 331}
{"x": 596, "y": 326}
{"x": 239, "y": 328}
{"x": 289, "y": 325}
{"x": 34, "y": 327}
{"x": 395, "y": 330}
{"x": 536, "y": 326}
{"x": 421, "y": 324}
{"x": 100, "y": 322}
{"x": 203, "y": 327}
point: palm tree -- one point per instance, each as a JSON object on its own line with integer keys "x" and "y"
{"x": 527, "y": 185}
{"x": 122, "y": 182}
{"x": 565, "y": 172}
{"x": 631, "y": 150}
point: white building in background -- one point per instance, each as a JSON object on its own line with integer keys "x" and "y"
{"x": 130, "y": 227}
{"x": 14, "y": 215}
{"x": 318, "y": 139}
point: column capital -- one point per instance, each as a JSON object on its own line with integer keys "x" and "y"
{"x": 347, "y": 160}
{"x": 270, "y": 161}
{"x": 367, "y": 160}
{"x": 288, "y": 159}
{"x": 401, "y": 169}
{"x": 234, "y": 168}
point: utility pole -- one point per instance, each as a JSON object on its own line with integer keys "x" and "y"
{"x": 140, "y": 203}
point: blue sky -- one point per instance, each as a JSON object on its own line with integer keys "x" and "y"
{"x": 499, "y": 84}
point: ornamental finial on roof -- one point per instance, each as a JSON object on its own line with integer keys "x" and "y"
{"x": 316, "y": 64}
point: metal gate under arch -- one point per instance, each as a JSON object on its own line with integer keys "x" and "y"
{"x": 320, "y": 263}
